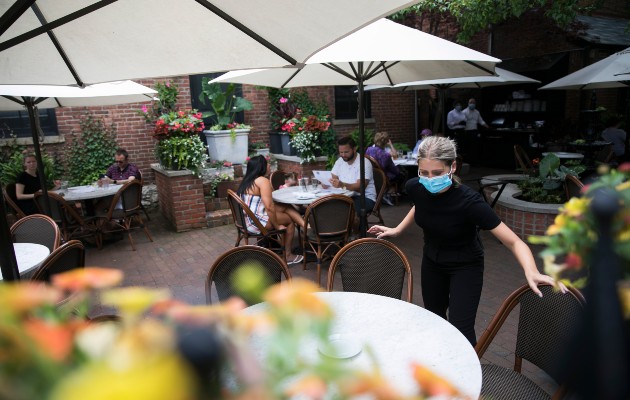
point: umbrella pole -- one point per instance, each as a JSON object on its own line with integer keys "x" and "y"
{"x": 33, "y": 117}
{"x": 362, "y": 213}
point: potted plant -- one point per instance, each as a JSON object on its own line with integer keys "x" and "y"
{"x": 226, "y": 139}
{"x": 178, "y": 145}
{"x": 306, "y": 135}
{"x": 283, "y": 109}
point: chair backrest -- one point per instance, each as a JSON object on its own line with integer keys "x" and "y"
{"x": 273, "y": 267}
{"x": 459, "y": 163}
{"x": 380, "y": 184}
{"x": 572, "y": 186}
{"x": 56, "y": 207}
{"x": 11, "y": 199}
{"x": 277, "y": 179}
{"x": 522, "y": 159}
{"x": 239, "y": 210}
{"x": 605, "y": 154}
{"x": 375, "y": 164}
{"x": 37, "y": 228}
{"x": 130, "y": 196}
{"x": 70, "y": 255}
{"x": 545, "y": 326}
{"x": 371, "y": 265}
{"x": 330, "y": 217}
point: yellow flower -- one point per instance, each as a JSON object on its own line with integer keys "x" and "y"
{"x": 623, "y": 186}
{"x": 134, "y": 300}
{"x": 310, "y": 387}
{"x": 17, "y": 298}
{"x": 576, "y": 206}
{"x": 624, "y": 298}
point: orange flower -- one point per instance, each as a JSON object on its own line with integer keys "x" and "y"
{"x": 297, "y": 297}
{"x": 311, "y": 387}
{"x": 374, "y": 384}
{"x": 25, "y": 296}
{"x": 52, "y": 338}
{"x": 87, "y": 278}
{"x": 432, "y": 384}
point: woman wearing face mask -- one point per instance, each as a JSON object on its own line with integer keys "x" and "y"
{"x": 450, "y": 215}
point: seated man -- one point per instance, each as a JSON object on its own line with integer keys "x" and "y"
{"x": 118, "y": 173}
{"x": 346, "y": 174}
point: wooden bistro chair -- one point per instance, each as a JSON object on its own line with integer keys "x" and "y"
{"x": 270, "y": 238}
{"x": 521, "y": 158}
{"x": 545, "y": 327}
{"x": 73, "y": 225}
{"x": 37, "y": 228}
{"x": 572, "y": 186}
{"x": 381, "y": 185}
{"x": 123, "y": 211}
{"x": 372, "y": 265}
{"x": 274, "y": 267}
{"x": 11, "y": 201}
{"x": 328, "y": 223}
{"x": 70, "y": 255}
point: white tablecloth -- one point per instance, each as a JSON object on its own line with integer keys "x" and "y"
{"x": 295, "y": 195}
{"x": 407, "y": 162}
{"x": 86, "y": 192}
{"x": 29, "y": 256}
{"x": 399, "y": 333}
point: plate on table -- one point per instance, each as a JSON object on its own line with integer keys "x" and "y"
{"x": 341, "y": 346}
{"x": 304, "y": 195}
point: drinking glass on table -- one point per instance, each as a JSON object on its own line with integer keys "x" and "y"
{"x": 314, "y": 183}
{"x": 304, "y": 182}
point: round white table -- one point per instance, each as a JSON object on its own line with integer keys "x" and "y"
{"x": 295, "y": 194}
{"x": 399, "y": 333}
{"x": 87, "y": 192}
{"x": 29, "y": 256}
{"x": 406, "y": 162}
{"x": 566, "y": 155}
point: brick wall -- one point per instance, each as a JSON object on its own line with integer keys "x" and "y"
{"x": 301, "y": 169}
{"x": 525, "y": 223}
{"x": 181, "y": 199}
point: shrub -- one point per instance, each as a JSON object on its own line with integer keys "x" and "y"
{"x": 90, "y": 154}
{"x": 12, "y": 163}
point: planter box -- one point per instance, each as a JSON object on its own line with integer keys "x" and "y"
{"x": 221, "y": 146}
{"x": 262, "y": 152}
{"x": 225, "y": 185}
{"x": 275, "y": 143}
{"x": 287, "y": 149}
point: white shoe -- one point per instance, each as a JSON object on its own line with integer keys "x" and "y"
{"x": 387, "y": 200}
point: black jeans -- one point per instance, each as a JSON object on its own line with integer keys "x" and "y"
{"x": 457, "y": 289}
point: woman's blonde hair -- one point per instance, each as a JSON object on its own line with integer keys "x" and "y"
{"x": 381, "y": 139}
{"x": 439, "y": 148}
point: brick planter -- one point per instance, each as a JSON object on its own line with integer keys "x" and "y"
{"x": 523, "y": 217}
{"x": 292, "y": 164}
{"x": 181, "y": 198}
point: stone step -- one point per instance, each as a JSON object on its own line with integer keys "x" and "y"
{"x": 219, "y": 218}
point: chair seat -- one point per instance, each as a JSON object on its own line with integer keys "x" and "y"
{"x": 312, "y": 237}
{"x": 502, "y": 383}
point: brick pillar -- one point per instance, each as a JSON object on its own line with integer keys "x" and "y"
{"x": 181, "y": 198}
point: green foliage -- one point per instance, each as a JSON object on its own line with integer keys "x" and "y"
{"x": 167, "y": 99}
{"x": 179, "y": 152}
{"x": 368, "y": 137}
{"x": 401, "y": 147}
{"x": 12, "y": 163}
{"x": 225, "y": 105}
{"x": 475, "y": 16}
{"x": 547, "y": 186}
{"x": 90, "y": 154}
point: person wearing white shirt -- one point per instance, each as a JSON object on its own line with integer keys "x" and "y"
{"x": 346, "y": 174}
{"x": 456, "y": 119}
{"x": 471, "y": 143}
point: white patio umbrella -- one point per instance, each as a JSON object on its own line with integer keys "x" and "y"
{"x": 502, "y": 77}
{"x": 383, "y": 52}
{"x": 89, "y": 41}
{"x": 19, "y": 97}
{"x": 611, "y": 72}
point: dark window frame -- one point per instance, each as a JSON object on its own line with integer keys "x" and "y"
{"x": 195, "y": 90}
{"x": 346, "y": 105}
{"x": 17, "y": 123}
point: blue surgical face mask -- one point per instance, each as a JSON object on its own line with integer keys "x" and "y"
{"x": 437, "y": 183}
{"x": 471, "y": 106}
{"x": 458, "y": 108}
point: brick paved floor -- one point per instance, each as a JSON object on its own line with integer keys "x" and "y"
{"x": 180, "y": 261}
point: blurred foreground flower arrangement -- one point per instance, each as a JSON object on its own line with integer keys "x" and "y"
{"x": 160, "y": 348}
{"x": 571, "y": 240}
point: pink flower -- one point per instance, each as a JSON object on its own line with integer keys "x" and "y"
{"x": 283, "y": 100}
{"x": 145, "y": 109}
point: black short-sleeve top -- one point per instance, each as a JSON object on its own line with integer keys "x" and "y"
{"x": 30, "y": 182}
{"x": 450, "y": 221}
